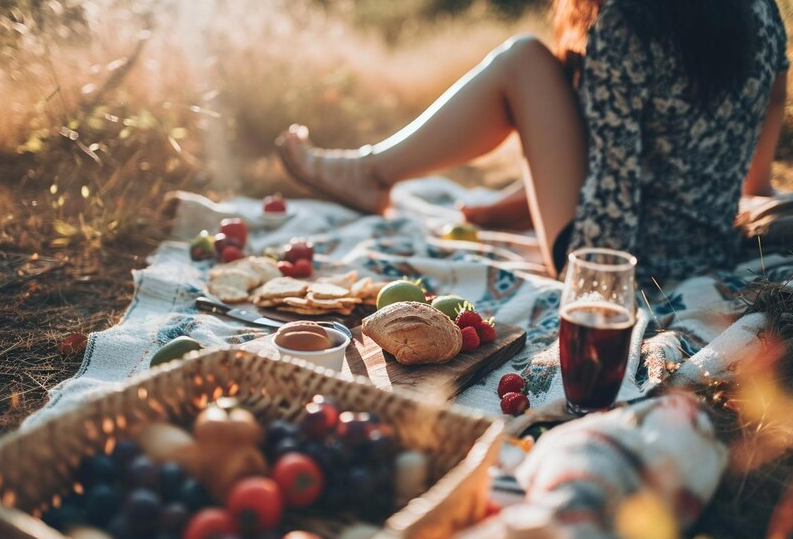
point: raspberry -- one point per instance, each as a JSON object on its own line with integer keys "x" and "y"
{"x": 486, "y": 331}
{"x": 511, "y": 383}
{"x": 514, "y": 403}
{"x": 468, "y": 319}
{"x": 231, "y": 253}
{"x": 302, "y": 268}
{"x": 470, "y": 338}
{"x": 287, "y": 268}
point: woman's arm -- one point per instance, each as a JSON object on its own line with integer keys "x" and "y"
{"x": 758, "y": 180}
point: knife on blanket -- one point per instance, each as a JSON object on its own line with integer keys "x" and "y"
{"x": 252, "y": 317}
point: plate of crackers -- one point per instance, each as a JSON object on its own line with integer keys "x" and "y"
{"x": 257, "y": 280}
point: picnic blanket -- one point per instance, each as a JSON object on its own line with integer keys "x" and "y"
{"x": 686, "y": 332}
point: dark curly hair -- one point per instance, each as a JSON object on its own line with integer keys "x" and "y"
{"x": 715, "y": 41}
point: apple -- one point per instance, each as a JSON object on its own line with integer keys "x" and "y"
{"x": 202, "y": 247}
{"x": 299, "y": 248}
{"x": 274, "y": 204}
{"x": 236, "y": 228}
{"x": 224, "y": 240}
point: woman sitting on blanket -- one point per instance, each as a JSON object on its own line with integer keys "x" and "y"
{"x": 642, "y": 144}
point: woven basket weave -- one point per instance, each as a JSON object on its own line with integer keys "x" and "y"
{"x": 37, "y": 465}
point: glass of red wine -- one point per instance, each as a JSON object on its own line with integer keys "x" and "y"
{"x": 597, "y": 314}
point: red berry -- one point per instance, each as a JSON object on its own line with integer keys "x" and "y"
{"x": 235, "y": 228}
{"x": 231, "y": 253}
{"x": 470, "y": 338}
{"x": 511, "y": 383}
{"x": 286, "y": 268}
{"x": 514, "y": 403}
{"x": 486, "y": 331}
{"x": 208, "y": 523}
{"x": 274, "y": 203}
{"x": 256, "y": 503}
{"x": 468, "y": 319}
{"x": 302, "y": 268}
{"x": 222, "y": 241}
{"x": 298, "y": 248}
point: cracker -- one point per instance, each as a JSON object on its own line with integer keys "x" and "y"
{"x": 344, "y": 279}
{"x": 331, "y": 303}
{"x": 327, "y": 291}
{"x": 360, "y": 289}
{"x": 228, "y": 294}
{"x": 302, "y": 310}
{"x": 232, "y": 277}
{"x": 375, "y": 288}
{"x": 282, "y": 287}
{"x": 261, "y": 267}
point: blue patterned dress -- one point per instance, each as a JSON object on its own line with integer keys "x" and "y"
{"x": 665, "y": 176}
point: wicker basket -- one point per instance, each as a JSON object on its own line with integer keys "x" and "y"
{"x": 37, "y": 466}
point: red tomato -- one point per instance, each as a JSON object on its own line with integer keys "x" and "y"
{"x": 210, "y": 523}
{"x": 274, "y": 203}
{"x": 235, "y": 228}
{"x": 300, "y": 479}
{"x": 287, "y": 269}
{"x": 231, "y": 253}
{"x": 256, "y": 504}
{"x": 301, "y": 535}
{"x": 303, "y": 268}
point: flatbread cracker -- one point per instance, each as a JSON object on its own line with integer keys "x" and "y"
{"x": 261, "y": 267}
{"x": 327, "y": 291}
{"x": 341, "y": 303}
{"x": 282, "y": 287}
{"x": 361, "y": 287}
{"x": 302, "y": 310}
{"x": 228, "y": 294}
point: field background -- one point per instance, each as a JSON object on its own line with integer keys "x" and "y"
{"x": 109, "y": 104}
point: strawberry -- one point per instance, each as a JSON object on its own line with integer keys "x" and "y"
{"x": 302, "y": 268}
{"x": 486, "y": 331}
{"x": 468, "y": 318}
{"x": 286, "y": 268}
{"x": 514, "y": 403}
{"x": 231, "y": 253}
{"x": 511, "y": 383}
{"x": 470, "y": 338}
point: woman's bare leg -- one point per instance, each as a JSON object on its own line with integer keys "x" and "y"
{"x": 520, "y": 85}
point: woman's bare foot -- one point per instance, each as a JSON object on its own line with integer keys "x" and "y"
{"x": 510, "y": 212}
{"x": 347, "y": 176}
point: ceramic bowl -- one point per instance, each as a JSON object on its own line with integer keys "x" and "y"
{"x": 330, "y": 358}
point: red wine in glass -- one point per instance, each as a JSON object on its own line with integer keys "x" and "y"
{"x": 594, "y": 342}
{"x": 597, "y": 315}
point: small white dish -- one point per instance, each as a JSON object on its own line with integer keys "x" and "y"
{"x": 274, "y": 219}
{"x": 330, "y": 358}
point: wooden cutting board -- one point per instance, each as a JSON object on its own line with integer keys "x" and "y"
{"x": 436, "y": 382}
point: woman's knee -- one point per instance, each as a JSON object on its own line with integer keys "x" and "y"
{"x": 522, "y": 48}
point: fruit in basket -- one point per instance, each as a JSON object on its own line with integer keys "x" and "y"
{"x": 163, "y": 442}
{"x": 299, "y": 534}
{"x": 236, "y": 228}
{"x": 232, "y": 426}
{"x": 470, "y": 338}
{"x": 411, "y": 476}
{"x": 101, "y": 503}
{"x": 300, "y": 479}
{"x": 143, "y": 473}
{"x": 319, "y": 420}
{"x": 172, "y": 477}
{"x": 174, "y": 517}
{"x": 141, "y": 511}
{"x": 462, "y": 232}
{"x": 448, "y": 305}
{"x": 353, "y": 428}
{"x": 174, "y": 349}
{"x": 212, "y": 523}
{"x": 256, "y": 504}
{"x": 97, "y": 469}
{"x": 399, "y": 291}
{"x": 511, "y": 383}
{"x": 514, "y": 403}
{"x": 202, "y": 247}
{"x": 414, "y": 333}
{"x": 274, "y": 204}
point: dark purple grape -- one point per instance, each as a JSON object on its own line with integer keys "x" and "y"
{"x": 68, "y": 514}
{"x": 361, "y": 483}
{"x": 143, "y": 473}
{"x": 172, "y": 478}
{"x": 101, "y": 503}
{"x": 330, "y": 455}
{"x": 336, "y": 493}
{"x": 352, "y": 428}
{"x": 284, "y": 446}
{"x": 174, "y": 517}
{"x": 119, "y": 528}
{"x": 193, "y": 495}
{"x": 97, "y": 469}
{"x": 379, "y": 447}
{"x": 280, "y": 429}
{"x": 124, "y": 452}
{"x": 142, "y": 511}
{"x": 166, "y": 535}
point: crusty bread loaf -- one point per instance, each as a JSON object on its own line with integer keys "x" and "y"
{"x": 414, "y": 333}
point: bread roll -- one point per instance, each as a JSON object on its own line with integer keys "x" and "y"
{"x": 414, "y": 333}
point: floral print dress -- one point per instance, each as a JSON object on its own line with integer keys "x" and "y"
{"x": 665, "y": 177}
